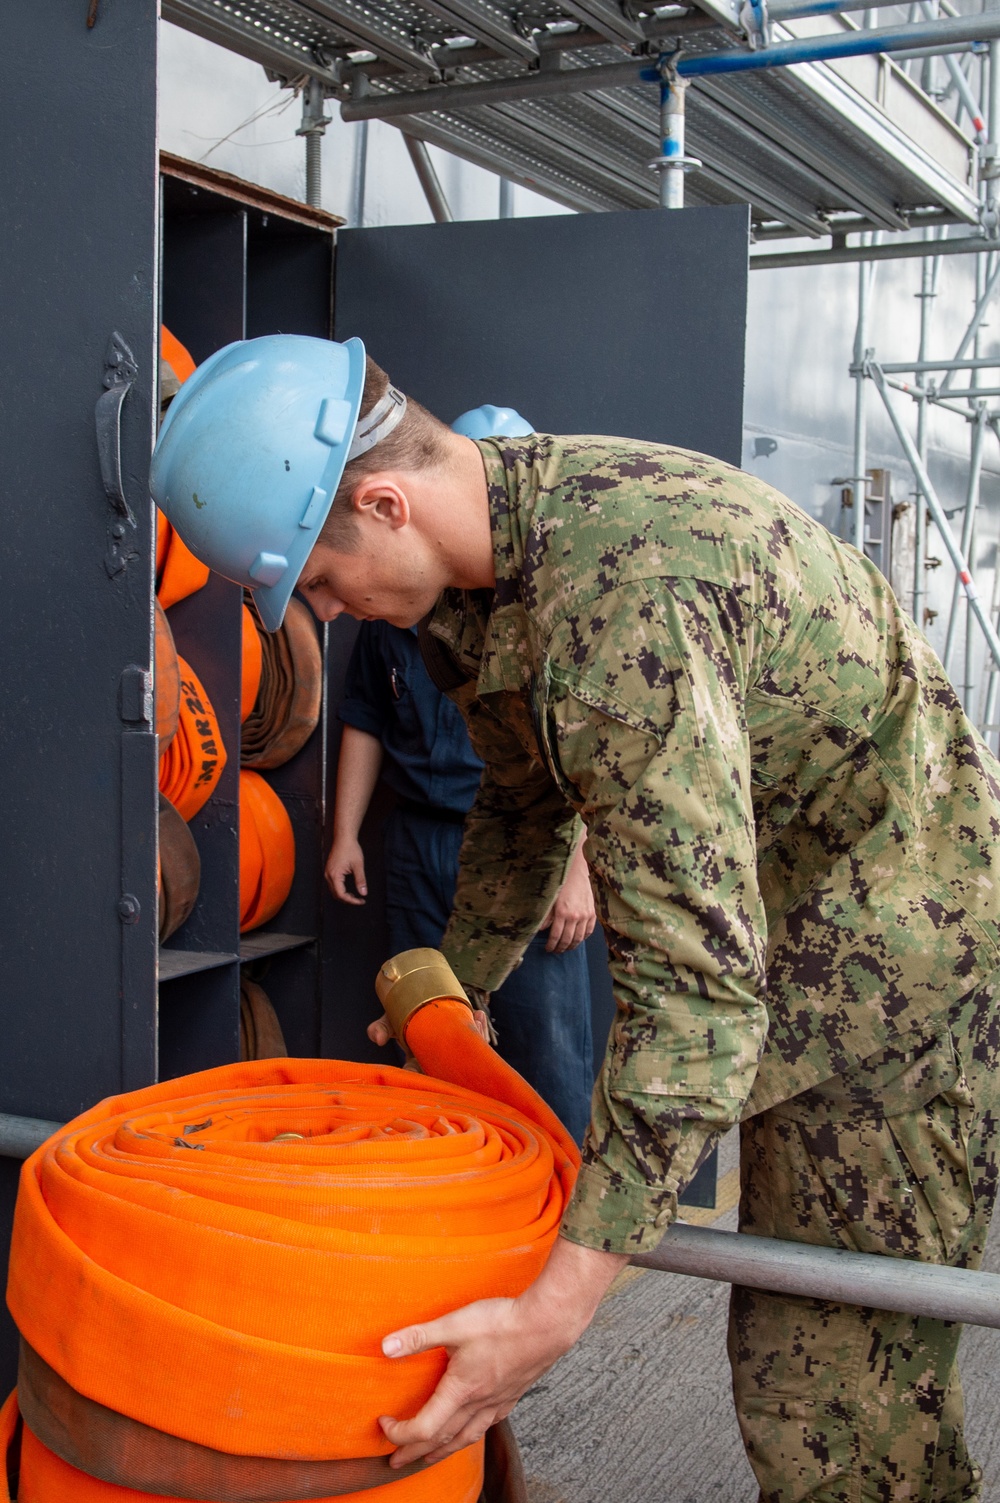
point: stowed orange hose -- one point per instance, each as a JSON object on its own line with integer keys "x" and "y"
{"x": 178, "y": 1260}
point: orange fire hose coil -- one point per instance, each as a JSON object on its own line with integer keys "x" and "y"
{"x": 252, "y": 663}
{"x": 178, "y": 572}
{"x": 176, "y": 356}
{"x": 267, "y": 851}
{"x": 193, "y": 763}
{"x": 167, "y": 679}
{"x": 180, "y": 1260}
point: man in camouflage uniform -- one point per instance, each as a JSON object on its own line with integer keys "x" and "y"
{"x": 791, "y": 825}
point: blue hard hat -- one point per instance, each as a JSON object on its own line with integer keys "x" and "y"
{"x": 492, "y": 422}
{"x": 250, "y": 455}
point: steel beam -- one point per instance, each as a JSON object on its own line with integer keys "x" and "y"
{"x": 451, "y": 97}
{"x": 907, "y": 250}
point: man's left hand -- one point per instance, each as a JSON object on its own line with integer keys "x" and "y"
{"x": 572, "y": 917}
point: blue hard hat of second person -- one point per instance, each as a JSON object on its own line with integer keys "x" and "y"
{"x": 492, "y": 422}
{"x": 252, "y": 450}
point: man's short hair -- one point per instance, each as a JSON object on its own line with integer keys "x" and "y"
{"x": 416, "y": 443}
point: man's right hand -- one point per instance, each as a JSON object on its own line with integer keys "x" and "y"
{"x": 346, "y": 859}
{"x": 380, "y": 1032}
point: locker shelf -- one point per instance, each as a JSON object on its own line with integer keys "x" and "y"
{"x": 256, "y": 946}
{"x": 174, "y": 963}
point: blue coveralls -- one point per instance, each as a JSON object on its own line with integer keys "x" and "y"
{"x": 542, "y": 1011}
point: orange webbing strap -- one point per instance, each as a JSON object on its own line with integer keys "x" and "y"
{"x": 182, "y": 1259}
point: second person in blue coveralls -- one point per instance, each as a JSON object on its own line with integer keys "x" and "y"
{"x": 399, "y": 726}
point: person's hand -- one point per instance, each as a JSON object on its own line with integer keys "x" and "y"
{"x": 497, "y": 1348}
{"x": 380, "y": 1032}
{"x": 346, "y": 859}
{"x": 572, "y": 917}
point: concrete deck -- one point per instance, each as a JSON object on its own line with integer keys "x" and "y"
{"x": 640, "y": 1411}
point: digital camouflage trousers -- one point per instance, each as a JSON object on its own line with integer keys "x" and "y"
{"x": 837, "y": 1403}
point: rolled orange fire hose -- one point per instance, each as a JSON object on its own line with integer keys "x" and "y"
{"x": 167, "y": 680}
{"x": 193, "y": 763}
{"x": 202, "y": 1271}
{"x": 178, "y": 573}
{"x": 251, "y": 665}
{"x": 267, "y": 852}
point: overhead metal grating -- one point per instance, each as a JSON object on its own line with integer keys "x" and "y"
{"x": 852, "y": 140}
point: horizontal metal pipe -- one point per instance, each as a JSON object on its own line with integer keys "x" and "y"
{"x": 549, "y": 84}
{"x": 787, "y": 10}
{"x": 828, "y": 1273}
{"x": 20, "y": 1136}
{"x": 979, "y": 364}
{"x": 907, "y": 250}
{"x": 967, "y": 392}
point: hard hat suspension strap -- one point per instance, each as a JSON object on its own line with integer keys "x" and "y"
{"x": 376, "y": 425}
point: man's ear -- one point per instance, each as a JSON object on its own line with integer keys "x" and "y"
{"x": 382, "y": 497}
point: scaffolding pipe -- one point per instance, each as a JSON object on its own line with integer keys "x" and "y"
{"x": 900, "y": 367}
{"x": 313, "y": 127}
{"x": 550, "y": 83}
{"x": 672, "y": 163}
{"x": 982, "y": 303}
{"x": 834, "y": 1274}
{"x": 429, "y": 180}
{"x": 901, "y": 251}
{"x": 958, "y": 78}
{"x": 859, "y": 479}
{"x": 928, "y": 291}
{"x": 938, "y": 513}
{"x": 20, "y": 1136}
{"x": 968, "y": 523}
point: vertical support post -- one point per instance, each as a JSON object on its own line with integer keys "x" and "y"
{"x": 506, "y": 198}
{"x": 927, "y": 293}
{"x": 968, "y": 523}
{"x": 859, "y": 484}
{"x": 313, "y": 127}
{"x": 360, "y": 175}
{"x": 939, "y": 514}
{"x": 672, "y": 164}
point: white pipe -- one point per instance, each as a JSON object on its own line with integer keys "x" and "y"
{"x": 828, "y": 1273}
{"x": 938, "y": 513}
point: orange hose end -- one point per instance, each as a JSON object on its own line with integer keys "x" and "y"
{"x": 166, "y": 681}
{"x": 267, "y": 851}
{"x": 193, "y": 763}
{"x": 252, "y": 665}
{"x": 175, "y": 354}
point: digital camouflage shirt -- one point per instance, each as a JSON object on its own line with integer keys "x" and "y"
{"x": 791, "y": 824}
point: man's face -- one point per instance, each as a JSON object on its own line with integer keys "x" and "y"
{"x": 385, "y": 583}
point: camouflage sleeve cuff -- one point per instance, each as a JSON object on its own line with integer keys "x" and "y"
{"x": 610, "y": 1214}
{"x": 479, "y": 959}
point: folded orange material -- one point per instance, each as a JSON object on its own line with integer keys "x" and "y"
{"x": 193, "y": 763}
{"x": 267, "y": 851}
{"x": 252, "y": 661}
{"x": 219, "y": 1257}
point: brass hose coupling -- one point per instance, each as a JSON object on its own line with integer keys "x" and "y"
{"x": 410, "y": 980}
